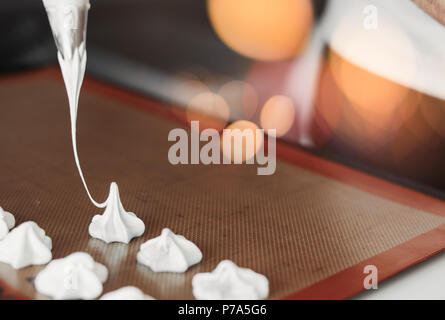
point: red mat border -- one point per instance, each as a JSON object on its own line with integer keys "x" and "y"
{"x": 349, "y": 280}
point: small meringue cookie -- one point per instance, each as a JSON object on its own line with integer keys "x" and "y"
{"x": 76, "y": 276}
{"x": 126, "y": 293}
{"x": 7, "y": 222}
{"x": 230, "y": 282}
{"x": 26, "y": 245}
{"x": 115, "y": 224}
{"x": 169, "y": 253}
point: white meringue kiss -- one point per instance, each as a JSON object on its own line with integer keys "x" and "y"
{"x": 230, "y": 282}
{"x": 126, "y": 293}
{"x": 7, "y": 222}
{"x": 76, "y": 276}
{"x": 26, "y": 245}
{"x": 115, "y": 224}
{"x": 169, "y": 253}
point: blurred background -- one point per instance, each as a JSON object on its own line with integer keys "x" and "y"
{"x": 255, "y": 60}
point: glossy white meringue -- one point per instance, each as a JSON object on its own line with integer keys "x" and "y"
{"x": 26, "y": 245}
{"x": 68, "y": 20}
{"x": 126, "y": 293}
{"x": 169, "y": 253}
{"x": 76, "y": 276}
{"x": 7, "y": 222}
{"x": 230, "y": 282}
{"x": 115, "y": 224}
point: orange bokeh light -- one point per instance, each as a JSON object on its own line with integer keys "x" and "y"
{"x": 278, "y": 113}
{"x": 374, "y": 70}
{"x": 210, "y": 109}
{"x": 373, "y": 97}
{"x": 249, "y": 147}
{"x": 262, "y": 29}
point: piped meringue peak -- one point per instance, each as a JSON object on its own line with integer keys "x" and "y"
{"x": 126, "y": 293}
{"x": 26, "y": 245}
{"x": 7, "y": 222}
{"x": 76, "y": 276}
{"x": 230, "y": 282}
{"x": 169, "y": 253}
{"x": 115, "y": 224}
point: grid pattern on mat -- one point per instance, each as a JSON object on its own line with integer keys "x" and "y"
{"x": 295, "y": 227}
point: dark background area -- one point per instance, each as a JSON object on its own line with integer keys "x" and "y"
{"x": 169, "y": 35}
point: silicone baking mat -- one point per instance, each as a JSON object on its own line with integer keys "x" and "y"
{"x": 310, "y": 227}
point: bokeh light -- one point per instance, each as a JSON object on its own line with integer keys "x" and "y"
{"x": 262, "y": 29}
{"x": 373, "y": 97}
{"x": 374, "y": 69}
{"x": 248, "y": 148}
{"x": 386, "y": 51}
{"x": 210, "y": 109}
{"x": 371, "y": 112}
{"x": 278, "y": 113}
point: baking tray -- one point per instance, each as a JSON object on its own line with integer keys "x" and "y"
{"x": 310, "y": 228}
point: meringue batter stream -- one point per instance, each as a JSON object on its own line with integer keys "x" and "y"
{"x": 68, "y": 20}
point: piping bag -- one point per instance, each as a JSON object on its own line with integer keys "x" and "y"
{"x": 68, "y": 20}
